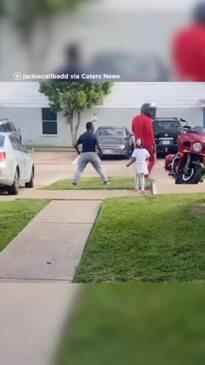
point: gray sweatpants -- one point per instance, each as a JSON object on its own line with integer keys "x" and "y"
{"x": 93, "y": 158}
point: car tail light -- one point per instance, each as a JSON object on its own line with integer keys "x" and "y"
{"x": 2, "y": 156}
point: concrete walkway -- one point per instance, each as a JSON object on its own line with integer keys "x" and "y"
{"x": 81, "y": 195}
{"x": 36, "y": 271}
{"x": 50, "y": 247}
{"x": 32, "y": 319}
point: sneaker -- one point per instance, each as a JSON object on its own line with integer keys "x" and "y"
{"x": 106, "y": 182}
{"x": 74, "y": 184}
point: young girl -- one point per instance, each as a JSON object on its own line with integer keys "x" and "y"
{"x": 140, "y": 158}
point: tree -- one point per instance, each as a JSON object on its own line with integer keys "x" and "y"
{"x": 71, "y": 98}
{"x": 26, "y": 15}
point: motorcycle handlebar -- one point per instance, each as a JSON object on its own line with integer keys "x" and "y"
{"x": 185, "y": 127}
{"x": 185, "y": 122}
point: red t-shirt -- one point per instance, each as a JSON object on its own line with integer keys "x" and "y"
{"x": 142, "y": 127}
{"x": 189, "y": 53}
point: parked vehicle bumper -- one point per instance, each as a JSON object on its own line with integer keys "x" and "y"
{"x": 167, "y": 149}
{"x": 120, "y": 150}
{"x": 5, "y": 178}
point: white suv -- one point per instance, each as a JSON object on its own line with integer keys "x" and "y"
{"x": 16, "y": 165}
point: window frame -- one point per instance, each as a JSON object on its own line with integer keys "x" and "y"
{"x": 6, "y": 127}
{"x": 2, "y": 141}
{"x": 12, "y": 126}
{"x": 17, "y": 145}
{"x": 53, "y": 119}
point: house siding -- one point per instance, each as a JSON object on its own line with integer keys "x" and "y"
{"x": 29, "y": 120}
{"x": 22, "y": 103}
{"x": 122, "y": 117}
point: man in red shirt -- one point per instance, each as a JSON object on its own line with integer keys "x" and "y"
{"x": 142, "y": 127}
{"x": 189, "y": 48}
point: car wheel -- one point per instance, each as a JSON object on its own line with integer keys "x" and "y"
{"x": 30, "y": 183}
{"x": 14, "y": 188}
{"x": 193, "y": 176}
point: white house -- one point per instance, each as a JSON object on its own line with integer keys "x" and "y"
{"x": 29, "y": 109}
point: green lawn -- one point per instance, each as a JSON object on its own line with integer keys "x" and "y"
{"x": 95, "y": 183}
{"x": 136, "y": 325}
{"x": 14, "y": 216}
{"x": 148, "y": 239}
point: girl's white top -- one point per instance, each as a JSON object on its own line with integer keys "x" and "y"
{"x": 140, "y": 165}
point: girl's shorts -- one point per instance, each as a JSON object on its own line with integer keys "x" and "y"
{"x": 141, "y": 169}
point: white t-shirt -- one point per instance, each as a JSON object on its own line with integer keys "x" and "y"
{"x": 141, "y": 155}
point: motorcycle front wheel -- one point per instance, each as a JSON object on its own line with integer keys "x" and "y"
{"x": 192, "y": 176}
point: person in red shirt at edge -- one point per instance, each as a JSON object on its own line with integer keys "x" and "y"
{"x": 189, "y": 48}
{"x": 142, "y": 127}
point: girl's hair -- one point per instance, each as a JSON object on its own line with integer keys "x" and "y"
{"x": 138, "y": 143}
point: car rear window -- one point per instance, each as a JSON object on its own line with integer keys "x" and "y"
{"x": 2, "y": 138}
{"x": 166, "y": 126}
{"x": 110, "y": 132}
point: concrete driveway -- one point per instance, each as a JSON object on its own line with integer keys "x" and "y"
{"x": 57, "y": 165}
{"x": 53, "y": 166}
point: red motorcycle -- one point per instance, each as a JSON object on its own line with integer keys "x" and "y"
{"x": 188, "y": 165}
